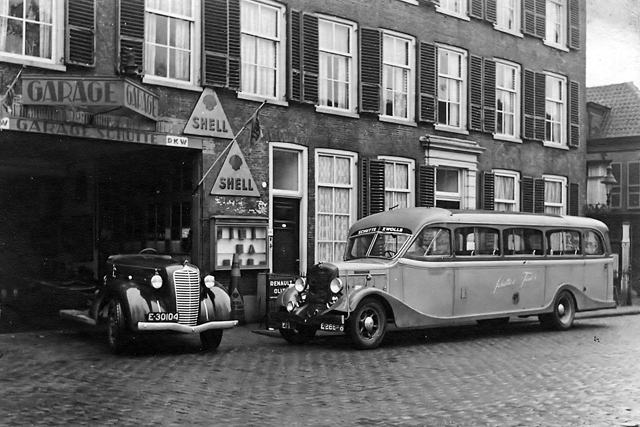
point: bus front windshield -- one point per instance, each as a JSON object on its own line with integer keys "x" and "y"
{"x": 377, "y": 244}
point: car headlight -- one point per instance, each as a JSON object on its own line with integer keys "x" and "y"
{"x": 336, "y": 285}
{"x": 209, "y": 281}
{"x": 300, "y": 284}
{"x": 290, "y": 306}
{"x": 156, "y": 281}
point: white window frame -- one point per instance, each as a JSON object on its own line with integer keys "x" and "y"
{"x": 339, "y": 238}
{"x": 455, "y": 8}
{"x": 515, "y": 202}
{"x": 515, "y": 91}
{"x": 280, "y": 55}
{"x": 56, "y": 62}
{"x": 195, "y": 29}
{"x": 509, "y": 9}
{"x": 556, "y": 30}
{"x": 629, "y": 185}
{"x": 563, "y": 182}
{"x": 411, "y": 186}
{"x": 456, "y": 196}
{"x": 561, "y": 104}
{"x": 352, "y": 61}
{"x": 462, "y": 81}
{"x": 409, "y": 68}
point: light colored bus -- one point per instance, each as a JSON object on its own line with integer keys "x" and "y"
{"x": 430, "y": 267}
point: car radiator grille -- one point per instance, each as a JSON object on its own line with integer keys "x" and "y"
{"x": 187, "y": 285}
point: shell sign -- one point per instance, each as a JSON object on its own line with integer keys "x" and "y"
{"x": 235, "y": 177}
{"x": 208, "y": 118}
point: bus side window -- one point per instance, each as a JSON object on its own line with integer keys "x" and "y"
{"x": 593, "y": 244}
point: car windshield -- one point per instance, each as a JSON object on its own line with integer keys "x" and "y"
{"x": 377, "y": 242}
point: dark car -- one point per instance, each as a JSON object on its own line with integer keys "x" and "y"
{"x": 147, "y": 293}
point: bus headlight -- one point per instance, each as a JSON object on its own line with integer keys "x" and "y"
{"x": 336, "y": 285}
{"x": 301, "y": 284}
{"x": 209, "y": 281}
{"x": 156, "y": 281}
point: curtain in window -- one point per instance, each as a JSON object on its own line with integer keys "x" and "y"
{"x": 553, "y": 197}
{"x": 45, "y": 30}
{"x": 150, "y": 65}
{"x": 181, "y": 39}
{"x": 260, "y": 29}
{"x": 4, "y": 11}
{"x": 333, "y": 206}
{"x": 396, "y": 178}
{"x": 504, "y": 193}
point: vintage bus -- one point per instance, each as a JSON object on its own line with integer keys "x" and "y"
{"x": 430, "y": 267}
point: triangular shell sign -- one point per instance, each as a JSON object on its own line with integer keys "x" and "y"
{"x": 208, "y": 117}
{"x": 234, "y": 178}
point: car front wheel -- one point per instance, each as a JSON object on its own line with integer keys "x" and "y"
{"x": 211, "y": 339}
{"x": 118, "y": 334}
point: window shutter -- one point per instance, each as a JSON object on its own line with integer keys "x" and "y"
{"x": 372, "y": 174}
{"x": 81, "y": 33}
{"x": 535, "y": 18}
{"x": 574, "y": 24}
{"x": 534, "y": 105}
{"x": 370, "y": 70}
{"x": 574, "y": 199}
{"x": 489, "y": 96}
{"x": 538, "y": 196}
{"x": 221, "y": 41}
{"x": 310, "y": 52}
{"x": 526, "y": 194}
{"x": 295, "y": 68}
{"x": 488, "y": 191}
{"x": 427, "y": 63}
{"x": 131, "y": 31}
{"x": 541, "y": 105}
{"x": 574, "y": 113}
{"x": 476, "y": 9}
{"x": 491, "y": 11}
{"x": 426, "y": 186}
{"x": 475, "y": 93}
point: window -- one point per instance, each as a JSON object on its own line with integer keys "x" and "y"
{"x": 262, "y": 31}
{"x": 555, "y": 110}
{"x": 507, "y": 194}
{"x": 335, "y": 195}
{"x": 593, "y": 244}
{"x": 633, "y": 185}
{"x": 32, "y": 33}
{"x": 337, "y": 71}
{"x": 171, "y": 47}
{"x": 522, "y": 241}
{"x": 457, "y": 8}
{"x": 563, "y": 242}
{"x": 615, "y": 197}
{"x": 398, "y": 183}
{"x": 555, "y": 195}
{"x": 431, "y": 241}
{"x": 398, "y": 62}
{"x": 477, "y": 241}
{"x": 448, "y": 188}
{"x": 508, "y": 16}
{"x": 507, "y": 100}
{"x": 556, "y": 19}
{"x": 452, "y": 69}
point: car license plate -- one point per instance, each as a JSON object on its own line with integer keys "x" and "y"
{"x": 163, "y": 317}
{"x": 331, "y": 327}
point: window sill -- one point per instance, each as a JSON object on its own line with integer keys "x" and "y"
{"x": 336, "y": 111}
{"x": 23, "y": 60}
{"x": 152, "y": 80}
{"x": 556, "y": 46}
{"x": 252, "y": 97}
{"x": 554, "y": 145}
{"x": 415, "y": 2}
{"x": 396, "y": 120}
{"x": 499, "y": 137}
{"x": 452, "y": 14}
{"x": 514, "y": 33}
{"x": 451, "y": 129}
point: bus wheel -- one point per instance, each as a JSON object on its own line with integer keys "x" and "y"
{"x": 118, "y": 334}
{"x": 367, "y": 324}
{"x": 299, "y": 335}
{"x": 564, "y": 311}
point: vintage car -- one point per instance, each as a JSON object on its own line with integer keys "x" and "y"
{"x": 148, "y": 293}
{"x": 418, "y": 268}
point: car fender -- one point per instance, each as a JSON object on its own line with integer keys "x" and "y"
{"x": 134, "y": 304}
{"x": 289, "y": 295}
{"x": 356, "y": 296}
{"x": 216, "y": 305}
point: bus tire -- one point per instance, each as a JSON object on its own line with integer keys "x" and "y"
{"x": 367, "y": 324}
{"x": 564, "y": 311}
{"x": 301, "y": 334}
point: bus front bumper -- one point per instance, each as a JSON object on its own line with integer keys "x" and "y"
{"x": 324, "y": 322}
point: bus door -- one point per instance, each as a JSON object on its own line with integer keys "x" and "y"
{"x": 598, "y": 269}
{"x": 486, "y": 281}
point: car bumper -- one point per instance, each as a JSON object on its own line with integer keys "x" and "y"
{"x": 177, "y": 327}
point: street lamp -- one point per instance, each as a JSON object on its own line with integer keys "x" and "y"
{"x": 609, "y": 181}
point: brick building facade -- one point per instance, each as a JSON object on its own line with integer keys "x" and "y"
{"x": 370, "y": 105}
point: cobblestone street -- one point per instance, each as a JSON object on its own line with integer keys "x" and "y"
{"x": 514, "y": 375}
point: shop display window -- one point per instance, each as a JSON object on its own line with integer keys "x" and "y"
{"x": 242, "y": 236}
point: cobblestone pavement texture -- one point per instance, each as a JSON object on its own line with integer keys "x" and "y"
{"x": 513, "y": 375}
